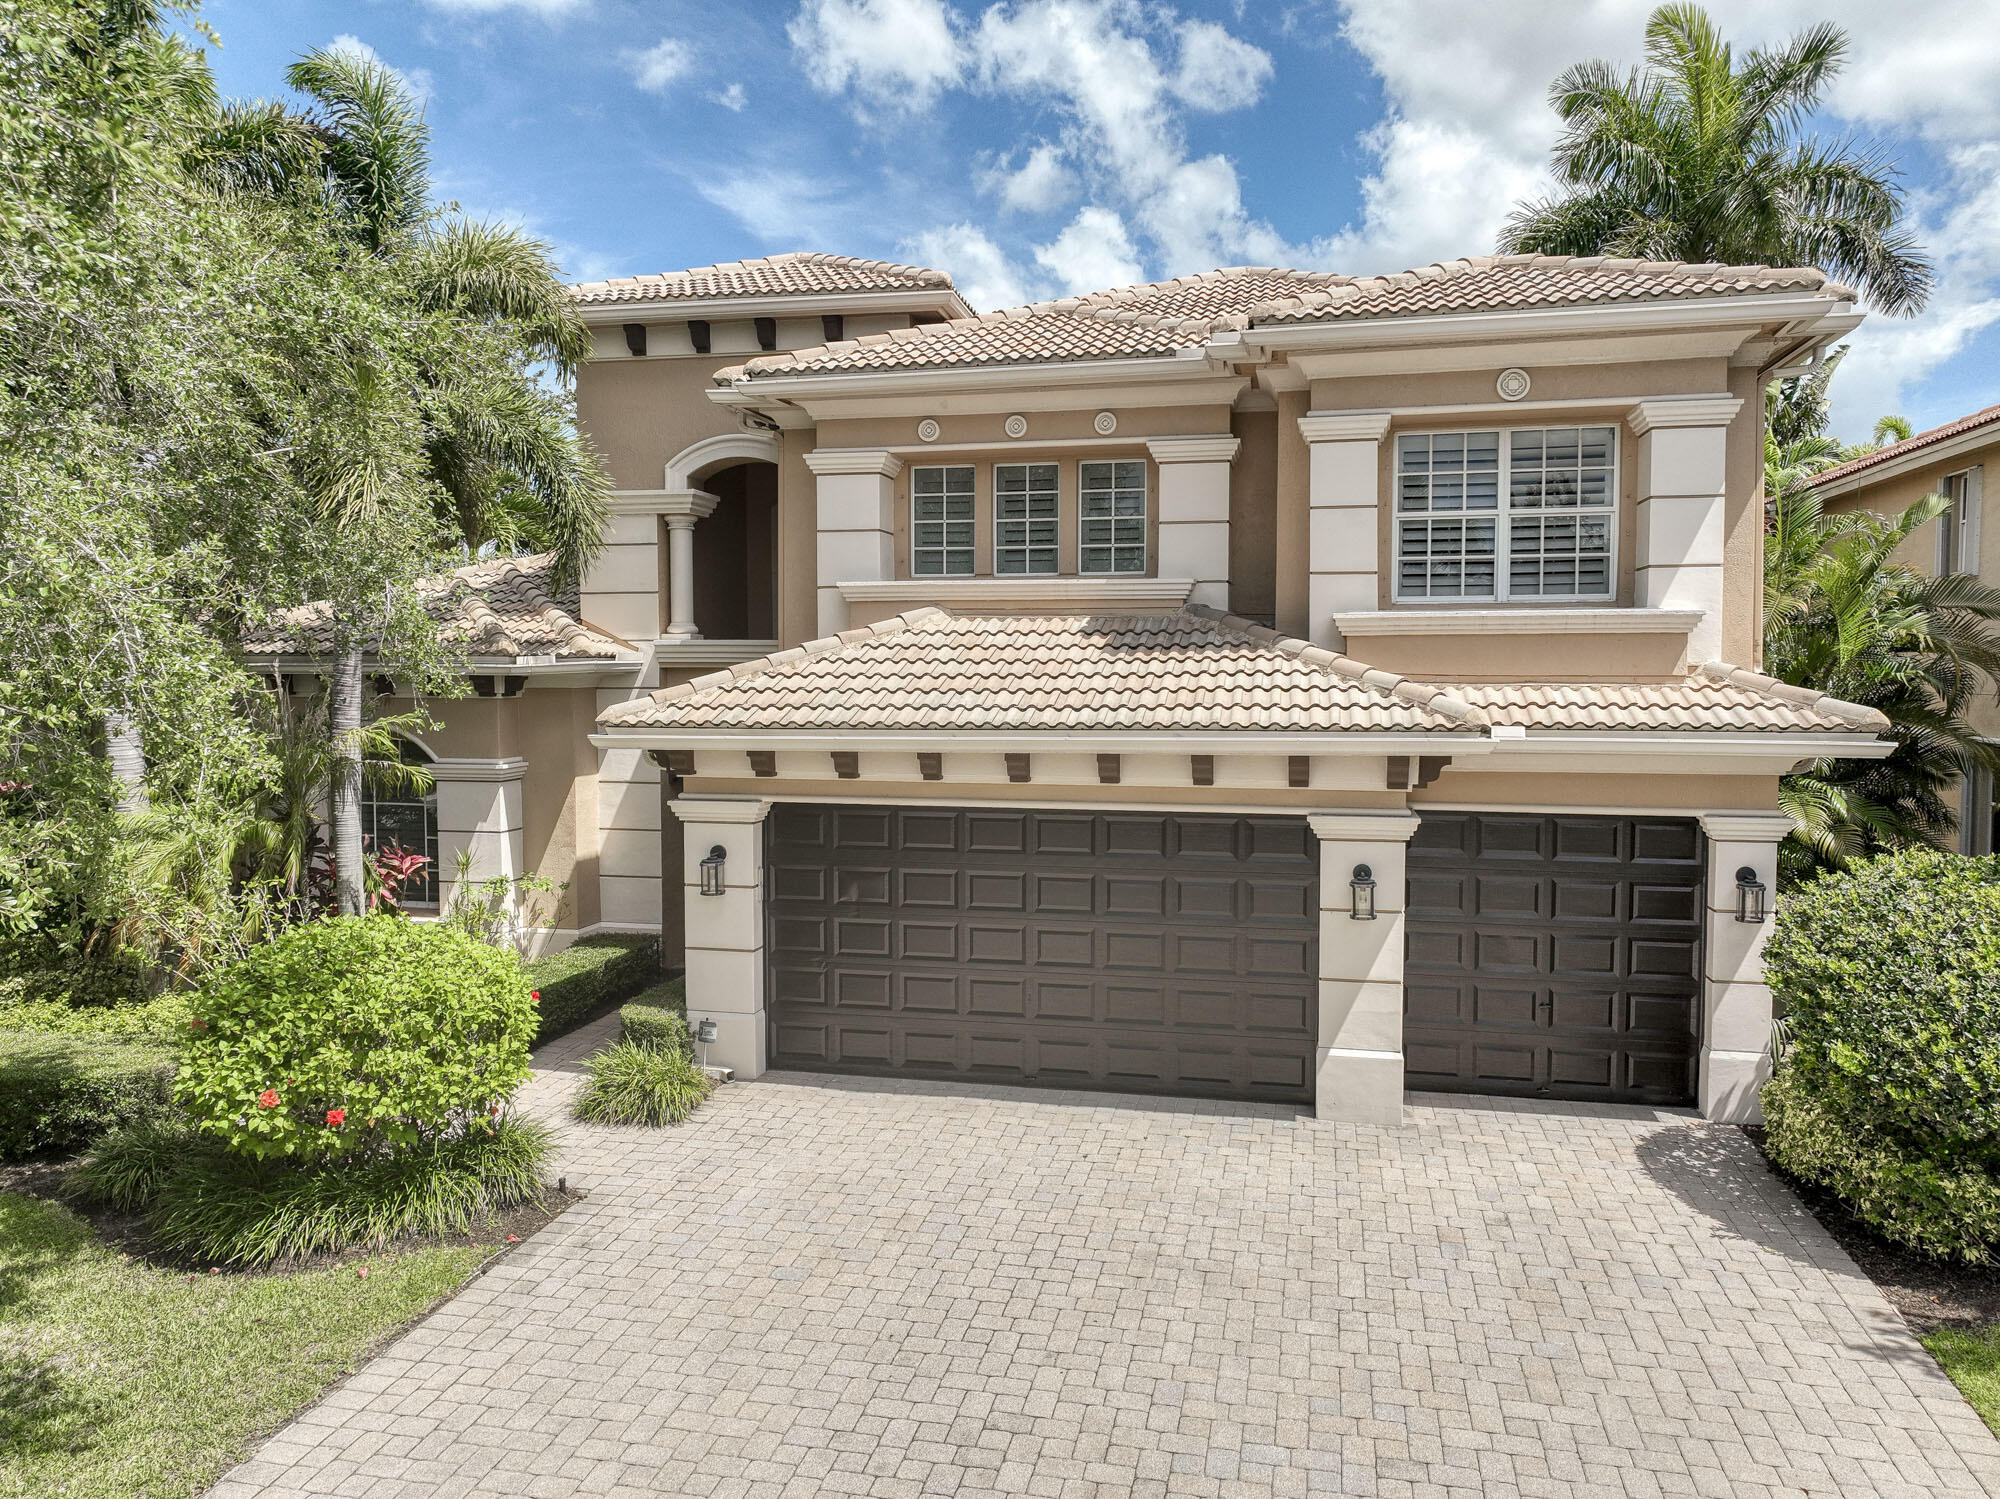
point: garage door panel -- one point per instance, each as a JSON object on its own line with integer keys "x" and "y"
{"x": 1138, "y": 951}
{"x": 861, "y": 887}
{"x": 1605, "y": 1003}
{"x": 857, "y": 830}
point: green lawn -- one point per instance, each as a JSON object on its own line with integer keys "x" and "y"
{"x": 1972, "y": 1359}
{"x": 119, "y": 1379}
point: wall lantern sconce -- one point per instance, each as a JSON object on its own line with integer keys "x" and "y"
{"x": 1362, "y": 887}
{"x": 1751, "y": 896}
{"x": 711, "y": 870}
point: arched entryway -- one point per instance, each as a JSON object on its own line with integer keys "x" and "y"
{"x": 736, "y": 554}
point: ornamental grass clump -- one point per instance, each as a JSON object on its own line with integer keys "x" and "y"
{"x": 1889, "y": 1093}
{"x": 636, "y": 1083}
{"x": 344, "y": 1085}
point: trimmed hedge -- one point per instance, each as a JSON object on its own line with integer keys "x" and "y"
{"x": 657, "y": 1027}
{"x": 59, "y": 1092}
{"x": 589, "y": 977}
{"x": 1889, "y": 1095}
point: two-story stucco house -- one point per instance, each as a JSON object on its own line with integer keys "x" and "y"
{"x": 1950, "y": 461}
{"x": 1265, "y": 684}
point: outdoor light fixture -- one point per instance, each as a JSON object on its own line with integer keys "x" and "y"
{"x": 1751, "y": 895}
{"x": 1363, "y": 888}
{"x": 711, "y": 870}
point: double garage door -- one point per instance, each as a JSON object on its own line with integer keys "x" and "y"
{"x": 1178, "y": 954}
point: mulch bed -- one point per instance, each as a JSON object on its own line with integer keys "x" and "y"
{"x": 127, "y": 1233}
{"x": 1929, "y": 1294}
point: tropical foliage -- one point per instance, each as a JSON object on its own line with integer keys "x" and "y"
{"x": 1699, "y": 157}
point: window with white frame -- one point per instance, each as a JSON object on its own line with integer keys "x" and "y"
{"x": 1024, "y": 518}
{"x": 1526, "y": 513}
{"x": 1112, "y": 516}
{"x": 402, "y": 817}
{"x": 941, "y": 501}
{"x": 1958, "y": 527}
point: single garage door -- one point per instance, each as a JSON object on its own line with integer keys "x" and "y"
{"x": 1135, "y": 951}
{"x": 1554, "y": 956}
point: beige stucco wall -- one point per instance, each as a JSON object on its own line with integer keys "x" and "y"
{"x": 1253, "y": 515}
{"x": 1610, "y": 791}
{"x": 1496, "y": 656}
{"x": 640, "y": 412}
{"x": 1292, "y": 506}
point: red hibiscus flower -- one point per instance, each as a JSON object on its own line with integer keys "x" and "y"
{"x": 197, "y": 1025}
{"x": 535, "y": 995}
{"x": 335, "y": 1118}
{"x": 268, "y": 1099}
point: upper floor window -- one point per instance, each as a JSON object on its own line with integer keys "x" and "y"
{"x": 1024, "y": 518}
{"x": 941, "y": 521}
{"x": 1112, "y": 516}
{"x": 1529, "y": 513}
{"x": 1958, "y": 527}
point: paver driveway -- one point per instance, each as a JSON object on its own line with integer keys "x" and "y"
{"x": 836, "y": 1287}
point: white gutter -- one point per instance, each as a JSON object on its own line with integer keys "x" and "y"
{"x": 1056, "y": 741}
{"x": 1621, "y": 317}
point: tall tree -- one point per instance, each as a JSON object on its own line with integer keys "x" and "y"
{"x": 1696, "y": 157}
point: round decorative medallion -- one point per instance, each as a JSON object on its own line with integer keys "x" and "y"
{"x": 928, "y": 429}
{"x": 1106, "y": 422}
{"x": 1017, "y": 426}
{"x": 1512, "y": 384}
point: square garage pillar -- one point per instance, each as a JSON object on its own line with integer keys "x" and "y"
{"x": 1360, "y": 1059}
{"x": 857, "y": 524}
{"x": 1343, "y": 495}
{"x": 1735, "y": 999}
{"x": 478, "y": 815}
{"x": 725, "y": 932}
{"x": 1194, "y": 512}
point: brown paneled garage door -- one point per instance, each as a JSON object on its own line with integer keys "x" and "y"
{"x": 1554, "y": 956}
{"x": 1136, "y": 951}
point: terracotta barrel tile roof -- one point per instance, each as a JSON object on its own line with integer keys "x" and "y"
{"x": 1196, "y": 669}
{"x": 507, "y": 607}
{"x": 1159, "y": 318}
{"x": 931, "y": 669}
{"x": 801, "y": 271}
{"x": 1909, "y": 445}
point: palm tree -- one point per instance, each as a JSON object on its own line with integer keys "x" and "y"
{"x": 1696, "y": 158}
{"x": 499, "y": 450}
{"x": 1842, "y": 616}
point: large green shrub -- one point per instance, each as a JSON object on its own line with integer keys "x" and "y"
{"x": 1889, "y": 978}
{"x": 58, "y": 1092}
{"x": 359, "y": 1033}
{"x": 590, "y": 977}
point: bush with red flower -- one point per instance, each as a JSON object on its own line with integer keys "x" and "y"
{"x": 360, "y": 1034}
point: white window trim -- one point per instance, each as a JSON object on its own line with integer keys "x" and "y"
{"x": 915, "y": 469}
{"x": 1146, "y": 559}
{"x": 1958, "y": 527}
{"x": 994, "y": 476}
{"x": 1502, "y": 532}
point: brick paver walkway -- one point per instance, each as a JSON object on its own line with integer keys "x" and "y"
{"x": 827, "y": 1287}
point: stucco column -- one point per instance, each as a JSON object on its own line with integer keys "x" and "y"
{"x": 1682, "y": 477}
{"x": 857, "y": 524}
{"x": 621, "y": 587}
{"x": 479, "y": 815}
{"x": 725, "y": 933}
{"x": 1343, "y": 493}
{"x": 1735, "y": 1000}
{"x": 680, "y": 512}
{"x": 1194, "y": 513}
{"x": 1360, "y": 1061}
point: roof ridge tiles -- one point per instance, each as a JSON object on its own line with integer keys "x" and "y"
{"x": 1858, "y": 714}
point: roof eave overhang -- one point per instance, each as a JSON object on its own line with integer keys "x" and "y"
{"x": 1461, "y": 742}
{"x": 1191, "y": 365}
{"x": 477, "y": 666}
{"x": 1799, "y": 312}
{"x": 1942, "y": 451}
{"x": 1682, "y": 751}
{"x": 775, "y": 304}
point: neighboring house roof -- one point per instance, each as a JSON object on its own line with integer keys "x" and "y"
{"x": 1910, "y": 448}
{"x": 800, "y": 272}
{"x": 1196, "y": 669}
{"x": 505, "y": 608}
{"x": 1157, "y": 319}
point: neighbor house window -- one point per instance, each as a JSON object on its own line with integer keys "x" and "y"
{"x": 1522, "y": 514}
{"x": 1112, "y": 516}
{"x": 1958, "y": 527}
{"x": 406, "y": 819}
{"x": 941, "y": 521}
{"x": 1024, "y": 518}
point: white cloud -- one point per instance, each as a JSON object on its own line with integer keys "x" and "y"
{"x": 1039, "y": 185}
{"x": 983, "y": 274}
{"x": 785, "y": 209}
{"x": 547, "y": 9}
{"x": 1094, "y": 252}
{"x": 1218, "y": 72}
{"x": 896, "y": 55}
{"x": 732, "y": 97}
{"x": 662, "y": 65}
{"x": 420, "y": 80}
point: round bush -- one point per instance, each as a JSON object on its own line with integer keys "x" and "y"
{"x": 1889, "y": 1094}
{"x": 1887, "y": 977}
{"x": 368, "y": 1033}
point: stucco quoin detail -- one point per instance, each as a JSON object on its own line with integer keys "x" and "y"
{"x": 1344, "y": 426}
{"x": 876, "y": 461}
{"x": 1683, "y": 411}
{"x": 1217, "y": 449}
{"x": 1363, "y": 827}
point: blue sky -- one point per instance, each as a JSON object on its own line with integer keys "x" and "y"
{"x": 1040, "y": 147}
